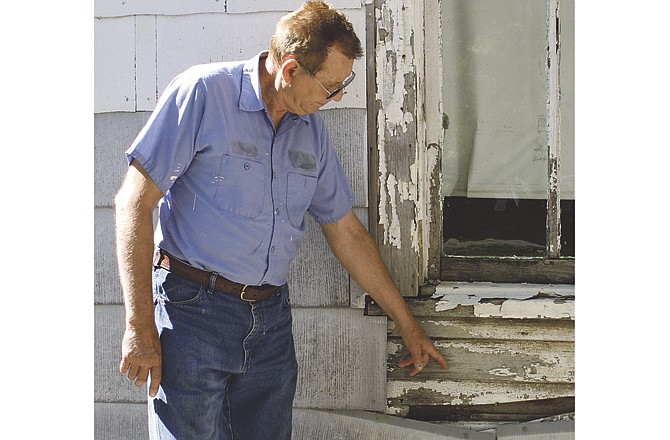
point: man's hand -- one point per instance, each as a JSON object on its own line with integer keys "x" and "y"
{"x": 420, "y": 349}
{"x": 141, "y": 356}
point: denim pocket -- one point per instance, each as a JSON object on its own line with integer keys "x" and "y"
{"x": 175, "y": 290}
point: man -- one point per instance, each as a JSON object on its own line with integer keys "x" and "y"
{"x": 234, "y": 155}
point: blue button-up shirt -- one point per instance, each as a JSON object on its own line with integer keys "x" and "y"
{"x": 235, "y": 189}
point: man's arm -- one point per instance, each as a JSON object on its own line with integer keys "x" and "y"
{"x": 134, "y": 203}
{"x": 355, "y": 249}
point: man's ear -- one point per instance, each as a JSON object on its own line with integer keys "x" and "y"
{"x": 289, "y": 69}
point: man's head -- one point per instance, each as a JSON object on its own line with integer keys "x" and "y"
{"x": 309, "y": 33}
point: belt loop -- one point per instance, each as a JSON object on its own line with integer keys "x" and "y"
{"x": 159, "y": 258}
{"x": 212, "y": 282}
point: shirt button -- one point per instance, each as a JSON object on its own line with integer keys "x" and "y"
{"x": 247, "y": 166}
{"x": 295, "y": 118}
{"x": 277, "y": 211}
{"x": 272, "y": 249}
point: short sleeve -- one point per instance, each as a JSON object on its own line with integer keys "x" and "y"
{"x": 168, "y": 142}
{"x": 333, "y": 197}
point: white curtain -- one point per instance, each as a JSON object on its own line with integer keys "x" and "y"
{"x": 495, "y": 95}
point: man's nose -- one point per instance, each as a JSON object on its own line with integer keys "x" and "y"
{"x": 339, "y": 96}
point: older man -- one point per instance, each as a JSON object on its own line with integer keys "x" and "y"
{"x": 235, "y": 155}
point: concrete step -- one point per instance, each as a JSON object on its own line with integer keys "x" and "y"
{"x": 309, "y": 424}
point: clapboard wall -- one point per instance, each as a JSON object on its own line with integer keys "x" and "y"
{"x": 139, "y": 47}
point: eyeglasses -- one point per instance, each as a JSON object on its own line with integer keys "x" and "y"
{"x": 334, "y": 93}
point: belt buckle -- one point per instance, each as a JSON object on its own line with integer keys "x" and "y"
{"x": 244, "y": 290}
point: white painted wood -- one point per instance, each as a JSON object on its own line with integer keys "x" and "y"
{"x": 561, "y": 430}
{"x": 129, "y": 66}
{"x": 341, "y": 358}
{"x": 242, "y": 6}
{"x": 492, "y": 328}
{"x": 184, "y": 41}
{"x": 488, "y": 361}
{"x": 553, "y": 130}
{"x": 114, "y": 64}
{"x": 120, "y": 421}
{"x": 446, "y": 392}
{"x": 520, "y": 300}
{"x": 115, "y": 8}
{"x": 359, "y": 425}
{"x": 430, "y": 136}
{"x": 145, "y": 59}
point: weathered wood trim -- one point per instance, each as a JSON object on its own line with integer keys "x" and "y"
{"x": 553, "y": 130}
{"x": 508, "y": 270}
{"x": 430, "y": 136}
{"x": 396, "y": 165}
{"x": 493, "y": 328}
{"x": 492, "y": 361}
{"x": 406, "y": 393}
{"x": 495, "y": 302}
{"x": 497, "y": 412}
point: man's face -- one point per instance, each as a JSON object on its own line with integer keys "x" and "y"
{"x": 309, "y": 94}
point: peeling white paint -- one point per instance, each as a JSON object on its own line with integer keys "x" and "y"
{"x": 396, "y": 43}
{"x": 520, "y": 300}
{"x": 393, "y": 230}
{"x": 395, "y": 63}
{"x": 473, "y": 393}
{"x": 528, "y": 309}
{"x": 456, "y": 300}
{"x": 502, "y": 372}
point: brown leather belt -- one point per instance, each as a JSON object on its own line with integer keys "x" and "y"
{"x": 243, "y": 291}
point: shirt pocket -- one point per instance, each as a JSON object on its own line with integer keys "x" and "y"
{"x": 241, "y": 186}
{"x": 300, "y": 189}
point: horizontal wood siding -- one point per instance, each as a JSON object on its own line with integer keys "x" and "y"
{"x": 509, "y": 347}
{"x": 508, "y": 270}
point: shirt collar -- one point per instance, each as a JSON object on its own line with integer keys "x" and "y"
{"x": 251, "y": 98}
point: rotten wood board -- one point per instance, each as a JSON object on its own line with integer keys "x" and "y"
{"x": 492, "y": 361}
{"x": 406, "y": 393}
{"x": 497, "y": 412}
{"x": 561, "y": 308}
{"x": 394, "y": 168}
{"x": 493, "y": 328}
{"x": 507, "y": 270}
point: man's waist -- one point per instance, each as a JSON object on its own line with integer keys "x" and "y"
{"x": 212, "y": 279}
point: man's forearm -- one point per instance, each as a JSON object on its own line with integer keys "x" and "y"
{"x": 134, "y": 205}
{"x": 134, "y": 250}
{"x": 358, "y": 254}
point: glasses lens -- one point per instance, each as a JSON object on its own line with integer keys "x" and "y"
{"x": 345, "y": 83}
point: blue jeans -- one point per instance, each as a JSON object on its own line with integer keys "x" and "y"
{"x": 229, "y": 368}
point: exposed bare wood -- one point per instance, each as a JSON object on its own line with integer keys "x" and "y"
{"x": 497, "y": 412}
{"x": 508, "y": 270}
{"x": 494, "y": 328}
{"x": 431, "y": 392}
{"x": 430, "y": 135}
{"x": 395, "y": 166}
{"x": 553, "y": 130}
{"x": 546, "y": 307}
{"x": 489, "y": 361}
